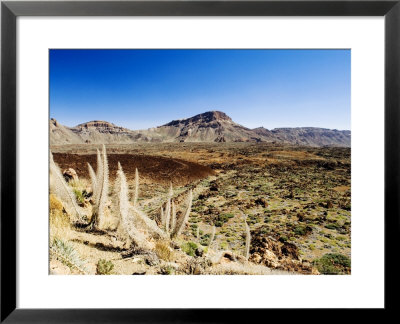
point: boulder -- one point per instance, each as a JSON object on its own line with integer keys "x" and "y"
{"x": 262, "y": 202}
{"x": 199, "y": 252}
{"x": 152, "y": 260}
{"x": 227, "y": 257}
{"x": 70, "y": 174}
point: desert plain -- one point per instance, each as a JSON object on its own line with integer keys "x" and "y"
{"x": 295, "y": 200}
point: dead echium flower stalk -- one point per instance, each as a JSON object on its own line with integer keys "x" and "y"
{"x": 126, "y": 218}
{"x": 173, "y": 216}
{"x": 100, "y": 190}
{"x": 168, "y": 210}
{"x": 131, "y": 217}
{"x": 61, "y": 189}
{"x": 99, "y": 175}
{"x": 136, "y": 195}
{"x": 162, "y": 217}
{"x": 93, "y": 178}
{"x": 248, "y": 239}
{"x": 180, "y": 224}
{"x": 211, "y": 239}
{"x": 168, "y": 216}
{"x": 137, "y": 217}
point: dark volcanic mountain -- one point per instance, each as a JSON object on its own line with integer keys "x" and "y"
{"x": 212, "y": 126}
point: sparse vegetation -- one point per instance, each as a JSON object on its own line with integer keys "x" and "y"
{"x": 155, "y": 225}
{"x": 333, "y": 264}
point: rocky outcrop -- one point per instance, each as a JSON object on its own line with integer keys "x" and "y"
{"x": 101, "y": 127}
{"x": 268, "y": 250}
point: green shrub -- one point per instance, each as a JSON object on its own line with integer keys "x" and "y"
{"x": 333, "y": 264}
{"x": 300, "y": 230}
{"x": 104, "y": 267}
{"x": 194, "y": 227}
{"x": 189, "y": 248}
{"x": 222, "y": 219}
{"x": 79, "y": 196}
{"x": 283, "y": 238}
{"x": 205, "y": 239}
{"x": 332, "y": 226}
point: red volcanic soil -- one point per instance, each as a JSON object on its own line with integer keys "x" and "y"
{"x": 154, "y": 168}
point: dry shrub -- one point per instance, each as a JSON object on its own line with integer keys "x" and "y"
{"x": 163, "y": 251}
{"x": 59, "y": 220}
{"x": 55, "y": 204}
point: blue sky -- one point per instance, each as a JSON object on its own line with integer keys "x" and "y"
{"x": 139, "y": 89}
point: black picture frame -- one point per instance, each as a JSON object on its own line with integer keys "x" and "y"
{"x": 10, "y": 10}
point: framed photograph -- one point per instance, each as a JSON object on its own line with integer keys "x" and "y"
{"x": 163, "y": 158}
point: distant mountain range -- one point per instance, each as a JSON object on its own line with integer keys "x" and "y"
{"x": 212, "y": 126}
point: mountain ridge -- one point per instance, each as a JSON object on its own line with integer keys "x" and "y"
{"x": 210, "y": 126}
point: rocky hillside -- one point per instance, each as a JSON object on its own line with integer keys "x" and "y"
{"x": 60, "y": 134}
{"x": 212, "y": 126}
{"x": 308, "y": 136}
